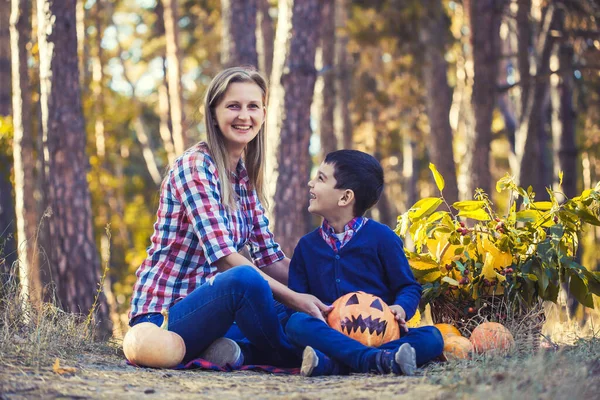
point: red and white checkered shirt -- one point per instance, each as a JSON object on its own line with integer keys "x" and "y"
{"x": 194, "y": 229}
{"x": 331, "y": 238}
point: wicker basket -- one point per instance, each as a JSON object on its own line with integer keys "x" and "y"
{"x": 525, "y": 323}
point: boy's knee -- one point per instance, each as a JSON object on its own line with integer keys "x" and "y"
{"x": 295, "y": 324}
{"x": 435, "y": 337}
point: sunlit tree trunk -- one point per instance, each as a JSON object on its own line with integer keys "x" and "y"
{"x": 297, "y": 87}
{"x": 343, "y": 82}
{"x": 239, "y": 33}
{"x": 72, "y": 254}
{"x": 325, "y": 96}
{"x": 174, "y": 74}
{"x": 7, "y": 211}
{"x": 439, "y": 98}
{"x": 484, "y": 21}
{"x": 265, "y": 37}
{"x": 563, "y": 114}
{"x": 531, "y": 136}
{"x": 23, "y": 153}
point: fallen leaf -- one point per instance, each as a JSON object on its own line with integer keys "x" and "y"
{"x": 62, "y": 370}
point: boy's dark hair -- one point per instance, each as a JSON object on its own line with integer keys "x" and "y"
{"x": 359, "y": 172}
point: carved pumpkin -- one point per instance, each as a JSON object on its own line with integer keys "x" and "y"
{"x": 457, "y": 347}
{"x": 492, "y": 336}
{"x": 365, "y": 318}
{"x": 148, "y": 345}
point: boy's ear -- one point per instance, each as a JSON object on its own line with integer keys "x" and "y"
{"x": 347, "y": 198}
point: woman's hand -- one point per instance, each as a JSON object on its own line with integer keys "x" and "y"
{"x": 309, "y": 304}
{"x": 400, "y": 316}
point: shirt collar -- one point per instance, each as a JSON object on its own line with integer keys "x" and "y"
{"x": 353, "y": 225}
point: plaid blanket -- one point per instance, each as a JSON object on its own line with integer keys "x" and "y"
{"x": 199, "y": 363}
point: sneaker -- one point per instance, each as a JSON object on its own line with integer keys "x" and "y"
{"x": 222, "y": 352}
{"x": 315, "y": 363}
{"x": 403, "y": 362}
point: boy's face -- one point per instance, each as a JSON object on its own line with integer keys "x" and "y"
{"x": 325, "y": 199}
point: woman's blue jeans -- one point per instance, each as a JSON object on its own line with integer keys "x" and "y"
{"x": 237, "y": 295}
{"x": 304, "y": 330}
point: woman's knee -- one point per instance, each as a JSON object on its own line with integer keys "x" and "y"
{"x": 245, "y": 276}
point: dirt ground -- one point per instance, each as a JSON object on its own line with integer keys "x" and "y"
{"x": 101, "y": 377}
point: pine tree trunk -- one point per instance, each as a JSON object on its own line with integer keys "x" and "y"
{"x": 439, "y": 97}
{"x": 485, "y": 17}
{"x": 8, "y": 246}
{"x": 73, "y": 256}
{"x": 239, "y": 33}
{"x": 531, "y": 135}
{"x": 23, "y": 153}
{"x": 298, "y": 81}
{"x": 343, "y": 84}
{"x": 325, "y": 86}
{"x": 174, "y": 74}
{"x": 563, "y": 116}
{"x": 265, "y": 38}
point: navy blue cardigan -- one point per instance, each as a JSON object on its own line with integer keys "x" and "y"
{"x": 373, "y": 261}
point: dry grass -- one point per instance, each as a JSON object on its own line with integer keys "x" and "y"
{"x": 34, "y": 336}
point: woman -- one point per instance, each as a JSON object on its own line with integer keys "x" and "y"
{"x": 210, "y": 208}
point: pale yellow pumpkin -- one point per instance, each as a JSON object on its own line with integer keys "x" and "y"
{"x": 148, "y": 345}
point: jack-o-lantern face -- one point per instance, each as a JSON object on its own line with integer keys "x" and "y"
{"x": 365, "y": 318}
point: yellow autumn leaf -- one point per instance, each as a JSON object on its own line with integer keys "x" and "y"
{"x": 560, "y": 178}
{"x": 422, "y": 264}
{"x": 469, "y": 205}
{"x": 62, "y": 370}
{"x": 488, "y": 269}
{"x": 502, "y": 259}
{"x": 424, "y": 207}
{"x": 542, "y": 205}
{"x": 431, "y": 277}
{"x": 479, "y": 215}
{"x": 415, "y": 321}
{"x": 439, "y": 179}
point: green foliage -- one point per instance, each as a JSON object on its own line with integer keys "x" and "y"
{"x": 524, "y": 255}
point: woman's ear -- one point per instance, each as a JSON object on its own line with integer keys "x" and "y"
{"x": 347, "y": 198}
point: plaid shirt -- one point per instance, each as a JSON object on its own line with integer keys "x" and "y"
{"x": 194, "y": 229}
{"x": 328, "y": 233}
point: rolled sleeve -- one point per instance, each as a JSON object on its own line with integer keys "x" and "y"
{"x": 263, "y": 247}
{"x": 196, "y": 181}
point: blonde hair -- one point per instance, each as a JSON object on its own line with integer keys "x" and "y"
{"x": 254, "y": 153}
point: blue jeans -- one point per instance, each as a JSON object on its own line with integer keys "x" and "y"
{"x": 304, "y": 330}
{"x": 237, "y": 295}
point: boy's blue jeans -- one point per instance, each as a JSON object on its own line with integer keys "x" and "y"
{"x": 304, "y": 330}
{"x": 237, "y": 295}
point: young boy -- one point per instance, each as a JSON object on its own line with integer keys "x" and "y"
{"x": 350, "y": 253}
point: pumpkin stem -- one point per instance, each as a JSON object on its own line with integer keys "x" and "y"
{"x": 165, "y": 324}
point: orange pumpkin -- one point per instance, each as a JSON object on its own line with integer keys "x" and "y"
{"x": 148, "y": 345}
{"x": 492, "y": 336}
{"x": 457, "y": 347}
{"x": 447, "y": 330}
{"x": 365, "y": 318}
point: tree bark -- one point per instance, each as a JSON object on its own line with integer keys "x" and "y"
{"x": 265, "y": 38}
{"x": 531, "y": 135}
{"x": 439, "y": 97}
{"x": 484, "y": 18}
{"x": 343, "y": 83}
{"x": 174, "y": 74}
{"x": 73, "y": 256}
{"x": 298, "y": 81}
{"x": 23, "y": 153}
{"x": 8, "y": 254}
{"x": 239, "y": 33}
{"x": 325, "y": 93}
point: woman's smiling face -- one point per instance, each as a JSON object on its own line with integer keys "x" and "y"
{"x": 240, "y": 114}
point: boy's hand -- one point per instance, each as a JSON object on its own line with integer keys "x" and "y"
{"x": 400, "y": 316}
{"x": 309, "y": 304}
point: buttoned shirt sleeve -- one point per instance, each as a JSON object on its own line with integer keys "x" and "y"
{"x": 263, "y": 247}
{"x": 196, "y": 183}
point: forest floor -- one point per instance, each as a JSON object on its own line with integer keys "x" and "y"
{"x": 32, "y": 340}
{"x": 572, "y": 372}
